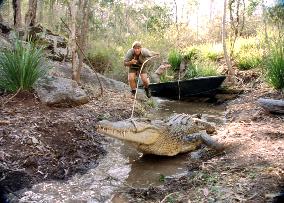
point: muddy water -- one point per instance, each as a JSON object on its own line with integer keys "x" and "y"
{"x": 168, "y": 107}
{"x": 122, "y": 166}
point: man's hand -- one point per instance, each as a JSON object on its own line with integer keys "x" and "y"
{"x": 133, "y": 61}
{"x": 129, "y": 63}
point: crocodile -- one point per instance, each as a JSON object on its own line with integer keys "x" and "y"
{"x": 175, "y": 134}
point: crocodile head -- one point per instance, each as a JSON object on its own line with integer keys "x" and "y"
{"x": 177, "y": 134}
{"x": 130, "y": 130}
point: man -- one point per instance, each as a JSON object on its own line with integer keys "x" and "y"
{"x": 134, "y": 59}
{"x": 156, "y": 77}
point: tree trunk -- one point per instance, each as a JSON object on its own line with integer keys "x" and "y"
{"x": 17, "y": 13}
{"x": 84, "y": 10}
{"x": 176, "y": 21}
{"x": 72, "y": 39}
{"x": 211, "y": 10}
{"x": 30, "y": 18}
{"x": 197, "y": 23}
{"x": 40, "y": 11}
{"x": 227, "y": 58}
{"x": 1, "y": 4}
{"x": 264, "y": 14}
{"x": 236, "y": 22}
{"x": 51, "y": 12}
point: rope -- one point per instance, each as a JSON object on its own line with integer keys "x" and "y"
{"x": 139, "y": 76}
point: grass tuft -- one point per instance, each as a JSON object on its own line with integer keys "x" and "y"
{"x": 174, "y": 59}
{"x": 275, "y": 65}
{"x": 21, "y": 66}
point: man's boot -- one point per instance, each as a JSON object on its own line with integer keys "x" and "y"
{"x": 133, "y": 92}
{"x": 148, "y": 92}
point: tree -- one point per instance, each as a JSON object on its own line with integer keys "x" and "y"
{"x": 157, "y": 18}
{"x": 237, "y": 21}
{"x": 30, "y": 18}
{"x": 227, "y": 58}
{"x": 1, "y": 2}
{"x": 17, "y": 13}
{"x": 72, "y": 40}
{"x": 193, "y": 6}
{"x": 83, "y": 19}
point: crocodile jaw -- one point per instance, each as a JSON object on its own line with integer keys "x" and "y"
{"x": 140, "y": 133}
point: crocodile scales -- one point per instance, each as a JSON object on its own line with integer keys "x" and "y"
{"x": 178, "y": 133}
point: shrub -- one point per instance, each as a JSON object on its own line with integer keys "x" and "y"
{"x": 202, "y": 69}
{"x": 107, "y": 58}
{"x": 248, "y": 59}
{"x": 174, "y": 59}
{"x": 247, "y": 55}
{"x": 100, "y": 61}
{"x": 191, "y": 53}
{"x": 21, "y": 67}
{"x": 211, "y": 52}
{"x": 275, "y": 65}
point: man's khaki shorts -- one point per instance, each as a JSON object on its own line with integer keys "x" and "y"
{"x": 135, "y": 69}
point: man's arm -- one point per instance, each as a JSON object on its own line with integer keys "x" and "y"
{"x": 129, "y": 63}
{"x": 147, "y": 53}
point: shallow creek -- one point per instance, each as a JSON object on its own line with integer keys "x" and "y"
{"x": 122, "y": 166}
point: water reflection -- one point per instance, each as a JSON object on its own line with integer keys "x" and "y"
{"x": 167, "y": 107}
{"x": 148, "y": 170}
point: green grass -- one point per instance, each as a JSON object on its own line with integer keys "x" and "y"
{"x": 21, "y": 67}
{"x": 202, "y": 69}
{"x": 275, "y": 65}
{"x": 211, "y": 52}
{"x": 247, "y": 53}
{"x": 175, "y": 58}
{"x": 208, "y": 52}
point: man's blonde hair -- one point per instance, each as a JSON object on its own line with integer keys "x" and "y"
{"x": 137, "y": 44}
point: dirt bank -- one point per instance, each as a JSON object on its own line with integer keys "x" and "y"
{"x": 40, "y": 143}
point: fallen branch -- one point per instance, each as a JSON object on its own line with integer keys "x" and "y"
{"x": 9, "y": 99}
{"x": 272, "y": 105}
{"x": 166, "y": 197}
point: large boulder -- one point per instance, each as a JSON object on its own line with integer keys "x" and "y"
{"x": 60, "y": 92}
{"x": 55, "y": 45}
{"x": 88, "y": 76}
{"x": 89, "y": 80}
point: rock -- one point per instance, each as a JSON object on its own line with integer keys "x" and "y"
{"x": 13, "y": 180}
{"x": 88, "y": 76}
{"x": 55, "y": 45}
{"x": 5, "y": 28}
{"x": 272, "y": 105}
{"x": 60, "y": 92}
{"x": 4, "y": 44}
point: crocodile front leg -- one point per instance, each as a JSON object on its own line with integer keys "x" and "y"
{"x": 205, "y": 139}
